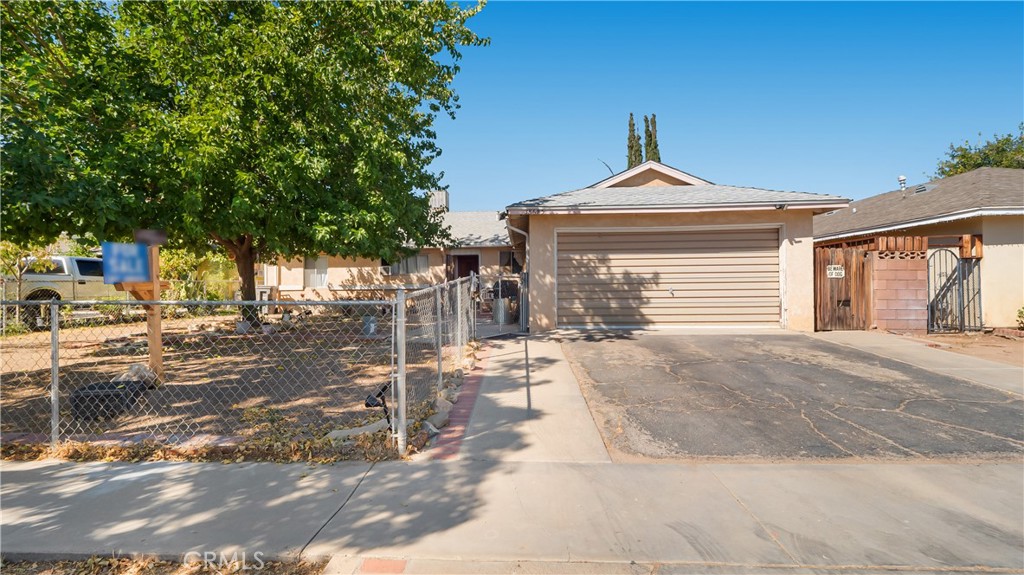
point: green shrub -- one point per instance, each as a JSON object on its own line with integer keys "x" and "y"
{"x": 1020, "y": 318}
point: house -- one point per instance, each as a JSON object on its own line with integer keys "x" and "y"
{"x": 654, "y": 246}
{"x": 480, "y": 245}
{"x": 964, "y": 267}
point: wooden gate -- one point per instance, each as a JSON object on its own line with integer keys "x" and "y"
{"x": 842, "y": 288}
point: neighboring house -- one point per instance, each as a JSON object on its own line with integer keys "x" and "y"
{"x": 655, "y": 246}
{"x": 481, "y": 246}
{"x": 986, "y": 204}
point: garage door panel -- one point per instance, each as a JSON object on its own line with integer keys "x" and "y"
{"x": 588, "y": 240}
{"x": 592, "y": 320}
{"x": 647, "y": 293}
{"x": 717, "y": 277}
{"x": 673, "y": 278}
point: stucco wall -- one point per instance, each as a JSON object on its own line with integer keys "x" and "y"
{"x": 343, "y": 272}
{"x": 1002, "y": 270}
{"x": 796, "y": 255}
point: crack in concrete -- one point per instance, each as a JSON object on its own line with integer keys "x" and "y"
{"x": 947, "y": 424}
{"x": 815, "y": 429}
{"x": 873, "y": 433}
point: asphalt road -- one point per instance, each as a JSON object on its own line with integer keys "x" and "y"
{"x": 783, "y": 396}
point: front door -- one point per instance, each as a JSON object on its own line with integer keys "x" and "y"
{"x": 466, "y": 265}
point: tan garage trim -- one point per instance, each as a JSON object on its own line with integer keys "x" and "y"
{"x": 639, "y": 278}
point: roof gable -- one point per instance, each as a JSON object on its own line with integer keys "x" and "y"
{"x": 650, "y": 173}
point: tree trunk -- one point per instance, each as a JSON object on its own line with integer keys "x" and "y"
{"x": 244, "y": 254}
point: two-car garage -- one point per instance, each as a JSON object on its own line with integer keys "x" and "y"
{"x": 655, "y": 247}
{"x": 667, "y": 277}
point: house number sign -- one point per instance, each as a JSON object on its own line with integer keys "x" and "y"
{"x": 835, "y": 272}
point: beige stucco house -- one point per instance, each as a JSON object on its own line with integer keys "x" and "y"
{"x": 987, "y": 203}
{"x": 655, "y": 246}
{"x": 480, "y": 245}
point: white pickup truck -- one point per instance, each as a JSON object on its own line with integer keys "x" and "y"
{"x": 69, "y": 278}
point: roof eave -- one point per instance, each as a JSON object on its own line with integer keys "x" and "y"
{"x": 680, "y": 208}
{"x": 950, "y": 217}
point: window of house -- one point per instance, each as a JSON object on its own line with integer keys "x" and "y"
{"x": 509, "y": 263}
{"x": 411, "y": 265}
{"x": 314, "y": 271}
{"x": 270, "y": 275}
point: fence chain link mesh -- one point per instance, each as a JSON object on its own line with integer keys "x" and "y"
{"x": 89, "y": 376}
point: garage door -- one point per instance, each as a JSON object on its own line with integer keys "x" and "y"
{"x": 620, "y": 279}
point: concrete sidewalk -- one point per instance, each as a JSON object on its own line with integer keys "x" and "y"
{"x": 917, "y": 353}
{"x": 532, "y": 491}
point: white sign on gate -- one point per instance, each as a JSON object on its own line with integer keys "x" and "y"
{"x": 835, "y": 272}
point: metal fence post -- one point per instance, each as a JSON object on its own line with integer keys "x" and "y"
{"x": 462, "y": 318}
{"x": 439, "y": 332}
{"x": 54, "y": 374}
{"x": 400, "y": 343}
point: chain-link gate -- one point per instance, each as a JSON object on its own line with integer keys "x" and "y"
{"x": 92, "y": 371}
{"x": 502, "y": 306}
{"x": 954, "y": 293}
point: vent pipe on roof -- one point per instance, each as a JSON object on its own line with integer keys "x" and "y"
{"x": 903, "y": 182}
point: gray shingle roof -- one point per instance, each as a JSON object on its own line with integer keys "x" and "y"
{"x": 671, "y": 196}
{"x": 977, "y": 189}
{"x": 477, "y": 229}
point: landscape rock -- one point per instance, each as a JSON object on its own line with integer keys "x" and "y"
{"x": 451, "y": 395}
{"x": 138, "y": 372}
{"x": 430, "y": 429}
{"x": 343, "y": 434}
{"x": 419, "y": 441}
{"x": 439, "y": 420}
{"x": 442, "y": 404}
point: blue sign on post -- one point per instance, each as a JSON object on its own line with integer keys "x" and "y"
{"x": 125, "y": 263}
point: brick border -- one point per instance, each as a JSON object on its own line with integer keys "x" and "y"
{"x": 382, "y": 566}
{"x": 449, "y": 441}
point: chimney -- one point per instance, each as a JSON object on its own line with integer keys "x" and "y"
{"x": 439, "y": 200}
{"x": 903, "y": 182}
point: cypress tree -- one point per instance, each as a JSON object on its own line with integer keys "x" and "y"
{"x": 647, "y": 137}
{"x": 634, "y": 155}
{"x": 653, "y": 153}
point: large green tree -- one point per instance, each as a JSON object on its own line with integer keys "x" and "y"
{"x": 267, "y": 128}
{"x": 1006, "y": 151}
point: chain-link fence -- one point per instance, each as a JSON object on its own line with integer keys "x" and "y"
{"x": 217, "y": 371}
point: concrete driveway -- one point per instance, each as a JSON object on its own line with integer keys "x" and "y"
{"x": 781, "y": 396}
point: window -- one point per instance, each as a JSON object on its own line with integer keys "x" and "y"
{"x": 410, "y": 265}
{"x": 55, "y": 267}
{"x": 270, "y": 275}
{"x": 509, "y": 263}
{"x": 92, "y": 268}
{"x": 314, "y": 272}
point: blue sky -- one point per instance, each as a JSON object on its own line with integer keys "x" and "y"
{"x": 837, "y": 98}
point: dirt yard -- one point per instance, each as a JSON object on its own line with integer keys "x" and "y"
{"x": 315, "y": 374}
{"x": 983, "y": 346}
